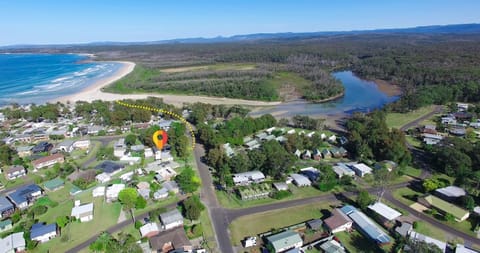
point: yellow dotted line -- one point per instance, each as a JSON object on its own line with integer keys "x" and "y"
{"x": 148, "y": 108}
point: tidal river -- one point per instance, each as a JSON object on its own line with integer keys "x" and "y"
{"x": 360, "y": 95}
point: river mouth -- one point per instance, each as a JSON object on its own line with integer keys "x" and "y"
{"x": 359, "y": 96}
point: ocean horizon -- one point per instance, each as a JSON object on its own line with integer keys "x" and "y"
{"x": 38, "y": 78}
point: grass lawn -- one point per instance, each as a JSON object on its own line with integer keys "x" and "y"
{"x": 105, "y": 216}
{"x": 233, "y": 201}
{"x": 208, "y": 233}
{"x": 263, "y": 222}
{"x": 397, "y": 120}
{"x": 411, "y": 171}
{"x": 413, "y": 141}
{"x": 405, "y": 195}
{"x": 429, "y": 230}
{"x": 356, "y": 242}
{"x": 93, "y": 151}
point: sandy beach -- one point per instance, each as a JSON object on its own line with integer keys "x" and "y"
{"x": 94, "y": 92}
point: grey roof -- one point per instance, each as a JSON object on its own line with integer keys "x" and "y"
{"x": 170, "y": 185}
{"x": 300, "y": 179}
{"x": 83, "y": 209}
{"x": 171, "y": 217}
{"x": 284, "y": 239}
{"x": 452, "y": 191}
{"x": 5, "y": 204}
{"x": 66, "y": 143}
{"x": 404, "y": 229}
{"x": 332, "y": 247}
{"x": 39, "y": 229}
{"x": 11, "y": 242}
{"x": 109, "y": 166}
{"x": 280, "y": 186}
{"x": 366, "y": 225}
{"x": 315, "y": 224}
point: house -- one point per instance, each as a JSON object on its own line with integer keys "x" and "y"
{"x": 338, "y": 222}
{"x": 163, "y": 156}
{"x": 127, "y": 177}
{"x": 281, "y": 139}
{"x": 291, "y": 131}
{"x": 149, "y": 230}
{"x": 270, "y": 130}
{"x": 6, "y": 207}
{"x": 82, "y": 144}
{"x": 171, "y": 186}
{"x": 404, "y": 229}
{"x": 24, "y": 151}
{"x": 462, "y": 107}
{"x": 460, "y": 248}
{"x": 307, "y": 155}
{"x": 165, "y": 124}
{"x": 338, "y": 152}
{"x": 261, "y": 136}
{"x": 171, "y": 241}
{"x": 298, "y": 153}
{"x": 432, "y": 139}
{"x": 450, "y": 193}
{"x": 332, "y": 246}
{"x": 94, "y": 130}
{"x": 228, "y": 150}
{"x": 300, "y": 180}
{"x": 25, "y": 196}
{"x": 317, "y": 155}
{"x": 42, "y": 147}
{"x": 414, "y": 236}
{"x": 171, "y": 219}
{"x": 251, "y": 145}
{"x": 280, "y": 186}
{"x": 48, "y": 161}
{"x": 83, "y": 213}
{"x": 342, "y": 169}
{"x": 449, "y": 120}
{"x": 54, "y": 184}
{"x": 111, "y": 193}
{"x": 137, "y": 148}
{"x": 386, "y": 213}
{"x": 246, "y": 178}
{"x": 148, "y": 152}
{"x": 312, "y": 173}
{"x": 284, "y": 241}
{"x": 249, "y": 242}
{"x": 75, "y": 190}
{"x": 429, "y": 129}
{"x": 365, "y": 225}
{"x": 119, "y": 148}
{"x": 166, "y": 173}
{"x": 110, "y": 167}
{"x": 43, "y": 233}
{"x": 332, "y": 139}
{"x": 458, "y": 131}
{"x": 143, "y": 189}
{"x": 361, "y": 169}
{"x": 65, "y": 146}
{"x": 160, "y": 194}
{"x": 130, "y": 159}
{"x": 98, "y": 191}
{"x": 315, "y": 224}
{"x": 15, "y": 172}
{"x": 444, "y": 207}
{"x": 5, "y": 225}
{"x": 103, "y": 177}
{"x": 326, "y": 153}
{"x": 13, "y": 243}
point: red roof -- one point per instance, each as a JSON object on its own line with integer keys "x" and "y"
{"x": 47, "y": 158}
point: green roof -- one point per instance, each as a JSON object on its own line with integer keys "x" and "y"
{"x": 5, "y": 223}
{"x": 75, "y": 189}
{"x": 284, "y": 239}
{"x": 447, "y": 207}
{"x": 53, "y": 184}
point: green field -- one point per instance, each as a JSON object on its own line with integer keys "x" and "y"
{"x": 216, "y": 67}
{"x": 429, "y": 230}
{"x": 405, "y": 194}
{"x": 264, "y": 222}
{"x": 397, "y": 120}
{"x": 233, "y": 201}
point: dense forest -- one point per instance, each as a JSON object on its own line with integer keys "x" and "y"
{"x": 430, "y": 69}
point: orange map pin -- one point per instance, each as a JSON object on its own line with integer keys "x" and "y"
{"x": 160, "y": 142}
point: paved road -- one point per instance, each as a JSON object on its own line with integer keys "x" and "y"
{"x": 437, "y": 109}
{"x": 466, "y": 237}
{"x": 111, "y": 230}
{"x": 209, "y": 198}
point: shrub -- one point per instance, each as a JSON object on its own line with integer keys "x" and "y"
{"x": 138, "y": 224}
{"x": 39, "y": 210}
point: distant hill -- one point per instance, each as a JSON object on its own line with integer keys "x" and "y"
{"x": 431, "y": 30}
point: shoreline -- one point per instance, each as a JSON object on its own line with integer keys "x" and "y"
{"x": 388, "y": 88}
{"x": 94, "y": 92}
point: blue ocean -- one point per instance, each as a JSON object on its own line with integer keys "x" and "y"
{"x": 38, "y": 78}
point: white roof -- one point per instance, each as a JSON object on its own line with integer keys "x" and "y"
{"x": 11, "y": 242}
{"x": 461, "y": 249}
{"x": 420, "y": 237}
{"x": 385, "y": 211}
{"x": 362, "y": 167}
{"x": 433, "y": 136}
{"x": 452, "y": 191}
{"x": 343, "y": 170}
{"x": 102, "y": 176}
{"x": 149, "y": 227}
{"x": 99, "y": 191}
{"x": 79, "y": 210}
{"x": 115, "y": 188}
{"x": 247, "y": 176}
{"x": 300, "y": 179}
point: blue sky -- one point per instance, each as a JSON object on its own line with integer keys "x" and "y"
{"x": 49, "y": 21}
